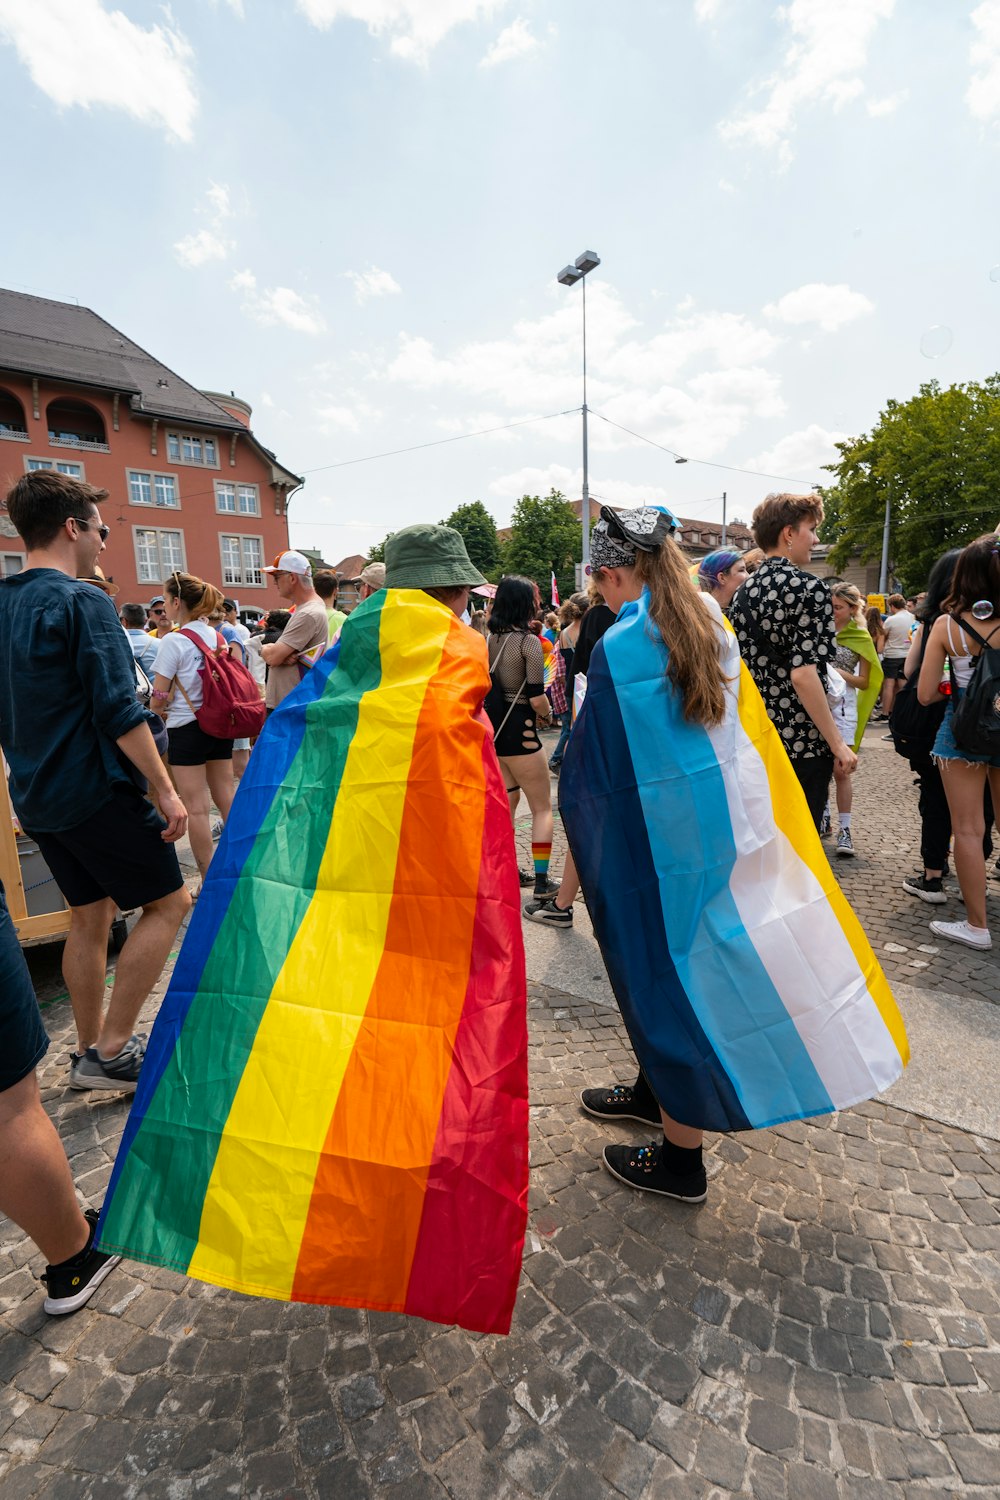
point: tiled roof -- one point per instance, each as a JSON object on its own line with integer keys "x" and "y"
{"x": 65, "y": 342}
{"x": 350, "y": 567}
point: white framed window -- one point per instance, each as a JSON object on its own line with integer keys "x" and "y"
{"x": 11, "y": 563}
{"x": 192, "y": 448}
{"x": 75, "y": 471}
{"x": 233, "y": 499}
{"x": 242, "y": 560}
{"x": 152, "y": 489}
{"x": 157, "y": 553}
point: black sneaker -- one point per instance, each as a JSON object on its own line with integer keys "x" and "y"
{"x": 74, "y": 1282}
{"x": 618, "y": 1103}
{"x": 550, "y": 889}
{"x": 526, "y": 877}
{"x": 926, "y": 888}
{"x": 544, "y": 909}
{"x": 640, "y": 1167}
{"x": 120, "y": 1073}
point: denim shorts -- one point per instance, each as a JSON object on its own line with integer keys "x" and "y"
{"x": 946, "y": 749}
{"x": 23, "y": 1042}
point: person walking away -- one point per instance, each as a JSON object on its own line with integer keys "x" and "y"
{"x": 36, "y": 1189}
{"x": 326, "y": 585}
{"x": 932, "y": 804}
{"x": 81, "y": 754}
{"x": 857, "y": 665}
{"x": 699, "y": 865}
{"x": 783, "y": 621}
{"x": 898, "y": 629}
{"x": 144, "y": 647}
{"x": 517, "y": 707}
{"x": 202, "y": 764}
{"x": 971, "y": 610}
{"x": 306, "y": 635}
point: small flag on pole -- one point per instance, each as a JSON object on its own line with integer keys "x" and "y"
{"x": 555, "y": 591}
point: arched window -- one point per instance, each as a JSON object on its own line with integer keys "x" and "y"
{"x": 75, "y": 424}
{"x": 12, "y": 423}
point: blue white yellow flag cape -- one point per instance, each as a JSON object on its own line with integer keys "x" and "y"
{"x": 748, "y": 987}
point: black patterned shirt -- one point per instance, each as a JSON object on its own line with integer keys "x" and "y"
{"x": 783, "y": 618}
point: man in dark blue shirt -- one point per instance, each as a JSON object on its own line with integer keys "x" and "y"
{"x": 77, "y": 743}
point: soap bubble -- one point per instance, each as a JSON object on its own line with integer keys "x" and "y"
{"x": 982, "y": 609}
{"x": 936, "y": 341}
{"x": 995, "y": 273}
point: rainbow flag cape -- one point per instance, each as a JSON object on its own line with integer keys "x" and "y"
{"x": 748, "y": 987}
{"x": 333, "y": 1106}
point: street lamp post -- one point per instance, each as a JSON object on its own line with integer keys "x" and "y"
{"x": 569, "y": 276}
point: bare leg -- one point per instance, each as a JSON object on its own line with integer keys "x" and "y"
{"x": 241, "y": 759}
{"x": 221, "y": 784}
{"x": 139, "y": 966}
{"x": 681, "y": 1135}
{"x": 531, "y": 773}
{"x": 192, "y": 788}
{"x": 85, "y": 966}
{"x": 569, "y": 886}
{"x": 36, "y": 1189}
{"x": 963, "y": 785}
{"x": 845, "y": 791}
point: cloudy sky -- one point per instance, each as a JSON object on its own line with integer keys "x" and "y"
{"x": 352, "y": 213}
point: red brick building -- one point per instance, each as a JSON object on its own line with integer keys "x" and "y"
{"x": 190, "y": 485}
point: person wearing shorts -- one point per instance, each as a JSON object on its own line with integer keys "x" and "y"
{"x": 80, "y": 755}
{"x": 201, "y": 763}
{"x": 898, "y": 628}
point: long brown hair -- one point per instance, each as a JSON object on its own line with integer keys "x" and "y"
{"x": 976, "y": 576}
{"x": 688, "y": 631}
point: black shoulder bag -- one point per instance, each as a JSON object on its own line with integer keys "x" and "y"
{"x": 913, "y": 725}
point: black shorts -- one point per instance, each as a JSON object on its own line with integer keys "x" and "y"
{"x": 892, "y": 666}
{"x": 116, "y": 852}
{"x": 189, "y": 745}
{"x": 23, "y": 1042}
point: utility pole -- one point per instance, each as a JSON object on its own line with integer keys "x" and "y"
{"x": 723, "y": 518}
{"x": 569, "y": 276}
{"x": 883, "y": 572}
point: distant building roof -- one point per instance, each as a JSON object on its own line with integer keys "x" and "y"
{"x": 350, "y": 567}
{"x": 62, "y": 341}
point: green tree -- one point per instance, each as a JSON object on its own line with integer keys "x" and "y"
{"x": 377, "y": 553}
{"x": 935, "y": 458}
{"x": 479, "y": 532}
{"x": 544, "y": 534}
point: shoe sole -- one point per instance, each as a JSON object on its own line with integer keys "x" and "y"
{"x": 58, "y": 1307}
{"x": 660, "y": 1192}
{"x": 596, "y": 1114}
{"x": 933, "y": 898}
{"x": 950, "y": 937}
{"x": 845, "y": 853}
{"x": 103, "y": 1083}
{"x": 547, "y": 921}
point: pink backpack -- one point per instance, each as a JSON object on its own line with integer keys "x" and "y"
{"x": 231, "y": 705}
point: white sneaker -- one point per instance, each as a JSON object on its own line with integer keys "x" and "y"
{"x": 961, "y": 932}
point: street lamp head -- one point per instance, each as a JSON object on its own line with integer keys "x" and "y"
{"x": 569, "y": 276}
{"x": 587, "y": 261}
{"x": 679, "y": 460}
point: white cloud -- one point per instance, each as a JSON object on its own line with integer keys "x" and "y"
{"x": 983, "y": 94}
{"x": 197, "y": 249}
{"x": 516, "y": 40}
{"x": 372, "y": 283}
{"x": 706, "y": 10}
{"x": 219, "y": 201}
{"x": 826, "y": 52}
{"x": 800, "y": 455}
{"x": 78, "y": 53}
{"x": 828, "y": 306}
{"x": 877, "y": 108}
{"x": 414, "y": 26}
{"x": 278, "y": 304}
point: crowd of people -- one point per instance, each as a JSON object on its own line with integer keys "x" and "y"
{"x": 80, "y": 736}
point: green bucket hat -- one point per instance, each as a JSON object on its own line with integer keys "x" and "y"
{"x": 424, "y": 556}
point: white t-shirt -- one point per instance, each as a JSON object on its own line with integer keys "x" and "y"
{"x": 897, "y": 634}
{"x": 178, "y": 657}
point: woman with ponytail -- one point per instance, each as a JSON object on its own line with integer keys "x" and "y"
{"x": 202, "y": 766}
{"x": 705, "y": 881}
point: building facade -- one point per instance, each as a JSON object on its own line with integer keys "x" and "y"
{"x": 190, "y": 485}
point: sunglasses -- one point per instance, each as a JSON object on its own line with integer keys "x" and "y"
{"x": 102, "y": 531}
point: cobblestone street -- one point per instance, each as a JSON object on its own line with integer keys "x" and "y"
{"x": 825, "y": 1327}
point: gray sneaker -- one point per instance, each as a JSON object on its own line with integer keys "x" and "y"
{"x": 119, "y": 1073}
{"x": 845, "y": 846}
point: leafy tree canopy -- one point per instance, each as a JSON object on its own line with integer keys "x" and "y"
{"x": 936, "y": 457}
{"x": 479, "y": 532}
{"x": 377, "y": 553}
{"x": 544, "y": 535}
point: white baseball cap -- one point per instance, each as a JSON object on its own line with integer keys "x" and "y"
{"x": 290, "y": 562}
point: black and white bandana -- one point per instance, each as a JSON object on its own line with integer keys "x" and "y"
{"x": 620, "y": 534}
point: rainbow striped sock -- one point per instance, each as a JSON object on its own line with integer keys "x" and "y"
{"x": 541, "y": 854}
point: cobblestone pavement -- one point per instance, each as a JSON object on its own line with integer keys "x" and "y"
{"x": 826, "y": 1325}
